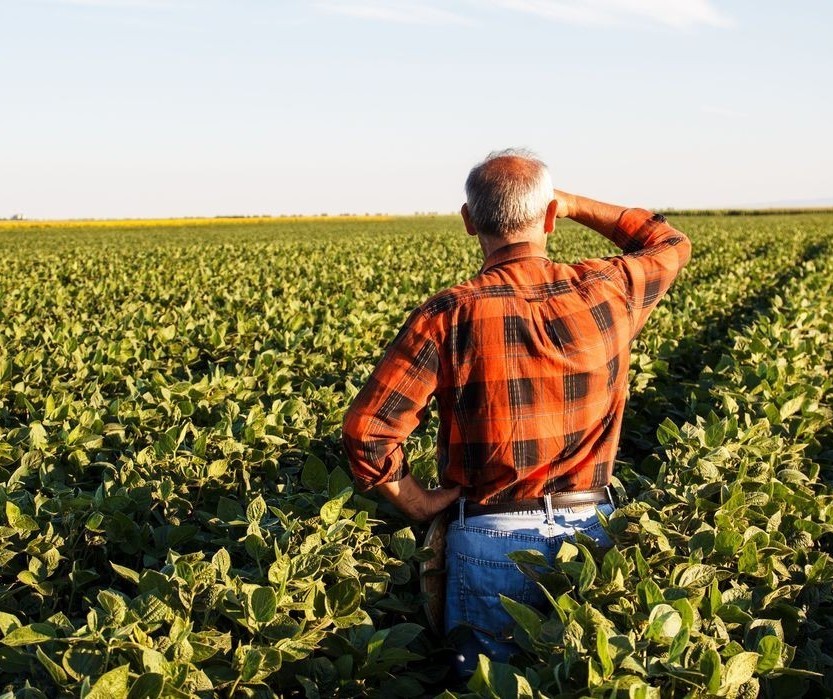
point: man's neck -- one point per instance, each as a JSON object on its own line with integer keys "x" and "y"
{"x": 490, "y": 244}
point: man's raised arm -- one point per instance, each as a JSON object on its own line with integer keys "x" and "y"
{"x": 596, "y": 215}
{"x": 655, "y": 252}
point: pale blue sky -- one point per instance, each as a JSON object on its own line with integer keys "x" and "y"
{"x": 184, "y": 107}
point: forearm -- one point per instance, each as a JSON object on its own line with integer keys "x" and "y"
{"x": 596, "y": 215}
{"x": 412, "y": 498}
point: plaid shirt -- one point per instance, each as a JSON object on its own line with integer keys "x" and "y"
{"x": 528, "y": 362}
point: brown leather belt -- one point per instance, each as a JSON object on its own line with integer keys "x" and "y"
{"x": 571, "y": 498}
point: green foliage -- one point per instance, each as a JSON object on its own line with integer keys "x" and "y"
{"x": 177, "y": 519}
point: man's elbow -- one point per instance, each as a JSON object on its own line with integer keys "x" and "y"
{"x": 684, "y": 247}
{"x": 681, "y": 244}
{"x": 351, "y": 440}
{"x": 354, "y": 439}
{"x": 350, "y": 427}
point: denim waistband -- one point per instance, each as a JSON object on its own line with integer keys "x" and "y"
{"x": 547, "y": 513}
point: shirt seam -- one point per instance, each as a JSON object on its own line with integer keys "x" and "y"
{"x": 462, "y": 298}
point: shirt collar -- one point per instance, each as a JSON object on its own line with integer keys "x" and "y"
{"x": 512, "y": 252}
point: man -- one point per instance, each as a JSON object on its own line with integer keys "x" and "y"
{"x": 528, "y": 362}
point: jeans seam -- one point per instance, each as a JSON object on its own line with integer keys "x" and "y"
{"x": 508, "y": 563}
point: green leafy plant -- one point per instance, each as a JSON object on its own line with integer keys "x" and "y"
{"x": 177, "y": 518}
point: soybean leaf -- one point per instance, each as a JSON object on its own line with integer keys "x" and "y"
{"x": 314, "y": 474}
{"x": 256, "y": 510}
{"x": 147, "y": 686}
{"x": 400, "y": 635}
{"x": 126, "y": 573}
{"x": 649, "y": 594}
{"x": 56, "y": 672}
{"x": 27, "y": 635}
{"x": 331, "y": 509}
{"x": 667, "y": 432}
{"x": 343, "y": 598}
{"x": 711, "y": 668}
{"x": 769, "y": 649}
{"x": 111, "y": 685}
{"x": 740, "y": 668}
{"x": 526, "y": 617}
{"x": 603, "y": 651}
{"x": 403, "y": 543}
{"x": 664, "y": 623}
{"x": 263, "y": 604}
{"x": 695, "y": 576}
{"x": 678, "y": 644}
{"x": 588, "y": 570}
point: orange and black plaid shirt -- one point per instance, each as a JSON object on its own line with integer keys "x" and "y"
{"x": 528, "y": 362}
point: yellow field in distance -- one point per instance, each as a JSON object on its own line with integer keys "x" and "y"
{"x": 178, "y": 222}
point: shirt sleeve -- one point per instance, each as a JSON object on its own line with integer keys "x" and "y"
{"x": 391, "y": 405}
{"x": 654, "y": 254}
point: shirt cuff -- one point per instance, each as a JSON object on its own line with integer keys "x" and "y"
{"x": 363, "y": 483}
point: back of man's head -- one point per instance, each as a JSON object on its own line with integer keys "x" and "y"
{"x": 507, "y": 193}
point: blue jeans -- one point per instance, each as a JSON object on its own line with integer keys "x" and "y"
{"x": 479, "y": 571}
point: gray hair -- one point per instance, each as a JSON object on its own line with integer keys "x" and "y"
{"x": 508, "y": 192}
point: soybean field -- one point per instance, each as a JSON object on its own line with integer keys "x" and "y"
{"x": 177, "y": 517}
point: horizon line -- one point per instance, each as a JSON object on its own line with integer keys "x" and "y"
{"x": 240, "y": 218}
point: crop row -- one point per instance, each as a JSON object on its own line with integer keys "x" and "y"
{"x": 177, "y": 514}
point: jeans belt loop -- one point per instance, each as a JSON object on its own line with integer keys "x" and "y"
{"x": 462, "y": 516}
{"x": 548, "y": 508}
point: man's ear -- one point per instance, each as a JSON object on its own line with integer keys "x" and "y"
{"x": 464, "y": 212}
{"x": 549, "y": 217}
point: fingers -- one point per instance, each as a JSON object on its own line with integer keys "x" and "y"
{"x": 440, "y": 498}
{"x": 415, "y": 501}
{"x": 564, "y": 203}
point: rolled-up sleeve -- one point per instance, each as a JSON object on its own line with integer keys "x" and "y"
{"x": 391, "y": 405}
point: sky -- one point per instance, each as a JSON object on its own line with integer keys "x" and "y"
{"x": 154, "y": 108}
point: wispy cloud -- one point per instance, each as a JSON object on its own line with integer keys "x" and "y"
{"x": 402, "y": 12}
{"x": 124, "y": 4}
{"x": 672, "y": 13}
{"x": 723, "y": 112}
{"x": 678, "y": 14}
